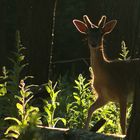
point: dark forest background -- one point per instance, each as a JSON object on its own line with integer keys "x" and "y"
{"x": 70, "y": 54}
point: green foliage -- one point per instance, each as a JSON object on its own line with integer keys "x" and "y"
{"x": 124, "y": 53}
{"x": 78, "y": 103}
{"x": 110, "y": 113}
{"x": 3, "y": 82}
{"x": 19, "y": 64}
{"x": 12, "y": 78}
{"x": 51, "y": 106}
{"x": 28, "y": 115}
{"x": 9, "y": 82}
{"x": 3, "y": 97}
{"x": 67, "y": 105}
{"x": 82, "y": 99}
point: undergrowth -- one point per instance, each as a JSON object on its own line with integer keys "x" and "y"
{"x": 66, "y": 106}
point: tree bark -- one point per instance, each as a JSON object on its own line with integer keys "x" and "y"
{"x": 35, "y": 24}
{"x": 134, "y": 127}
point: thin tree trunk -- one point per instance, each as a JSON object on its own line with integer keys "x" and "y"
{"x": 35, "y": 25}
{"x": 134, "y": 127}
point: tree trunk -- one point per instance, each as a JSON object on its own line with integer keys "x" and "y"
{"x": 134, "y": 127}
{"x": 35, "y": 24}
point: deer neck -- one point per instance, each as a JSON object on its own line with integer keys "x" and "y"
{"x": 98, "y": 59}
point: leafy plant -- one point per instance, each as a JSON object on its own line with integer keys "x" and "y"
{"x": 18, "y": 61}
{"x": 77, "y": 110}
{"x": 3, "y": 99}
{"x": 124, "y": 52}
{"x": 51, "y": 106}
{"x": 28, "y": 115}
{"x": 110, "y": 113}
{"x": 3, "y": 82}
{"x": 15, "y": 74}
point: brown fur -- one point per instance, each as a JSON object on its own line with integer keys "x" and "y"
{"x": 113, "y": 80}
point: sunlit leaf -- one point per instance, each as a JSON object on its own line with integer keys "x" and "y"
{"x": 13, "y": 128}
{"x": 59, "y": 119}
{"x": 19, "y": 107}
{"x": 14, "y": 119}
{"x": 77, "y": 98}
{"x": 48, "y": 89}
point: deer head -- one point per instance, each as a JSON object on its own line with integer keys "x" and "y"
{"x": 94, "y": 33}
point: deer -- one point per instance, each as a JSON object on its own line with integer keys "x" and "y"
{"x": 113, "y": 80}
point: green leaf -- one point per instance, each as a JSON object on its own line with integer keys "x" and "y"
{"x": 18, "y": 97}
{"x": 19, "y": 107}
{"x": 68, "y": 107}
{"x": 48, "y": 89}
{"x": 27, "y": 94}
{"x": 86, "y": 85}
{"x": 21, "y": 58}
{"x": 32, "y": 109}
{"x": 21, "y": 49}
{"x": 59, "y": 119}
{"x": 75, "y": 94}
{"x": 13, "y": 128}
{"x": 12, "y": 135}
{"x": 22, "y": 93}
{"x": 14, "y": 119}
{"x": 77, "y": 83}
{"x": 3, "y": 90}
{"x": 47, "y": 111}
{"x": 30, "y": 113}
{"x": 77, "y": 98}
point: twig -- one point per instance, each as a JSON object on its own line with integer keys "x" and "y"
{"x": 51, "y": 128}
{"x": 71, "y": 61}
{"x": 52, "y": 40}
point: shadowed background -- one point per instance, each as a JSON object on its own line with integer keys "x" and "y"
{"x": 70, "y": 52}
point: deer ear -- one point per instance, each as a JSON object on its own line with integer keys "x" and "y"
{"x": 80, "y": 26}
{"x": 109, "y": 26}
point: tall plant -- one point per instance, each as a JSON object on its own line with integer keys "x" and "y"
{"x": 51, "y": 106}
{"x": 18, "y": 61}
{"x": 27, "y": 114}
{"x": 124, "y": 52}
{"x": 3, "y": 82}
{"x": 9, "y": 82}
{"x": 16, "y": 73}
{"x": 82, "y": 99}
